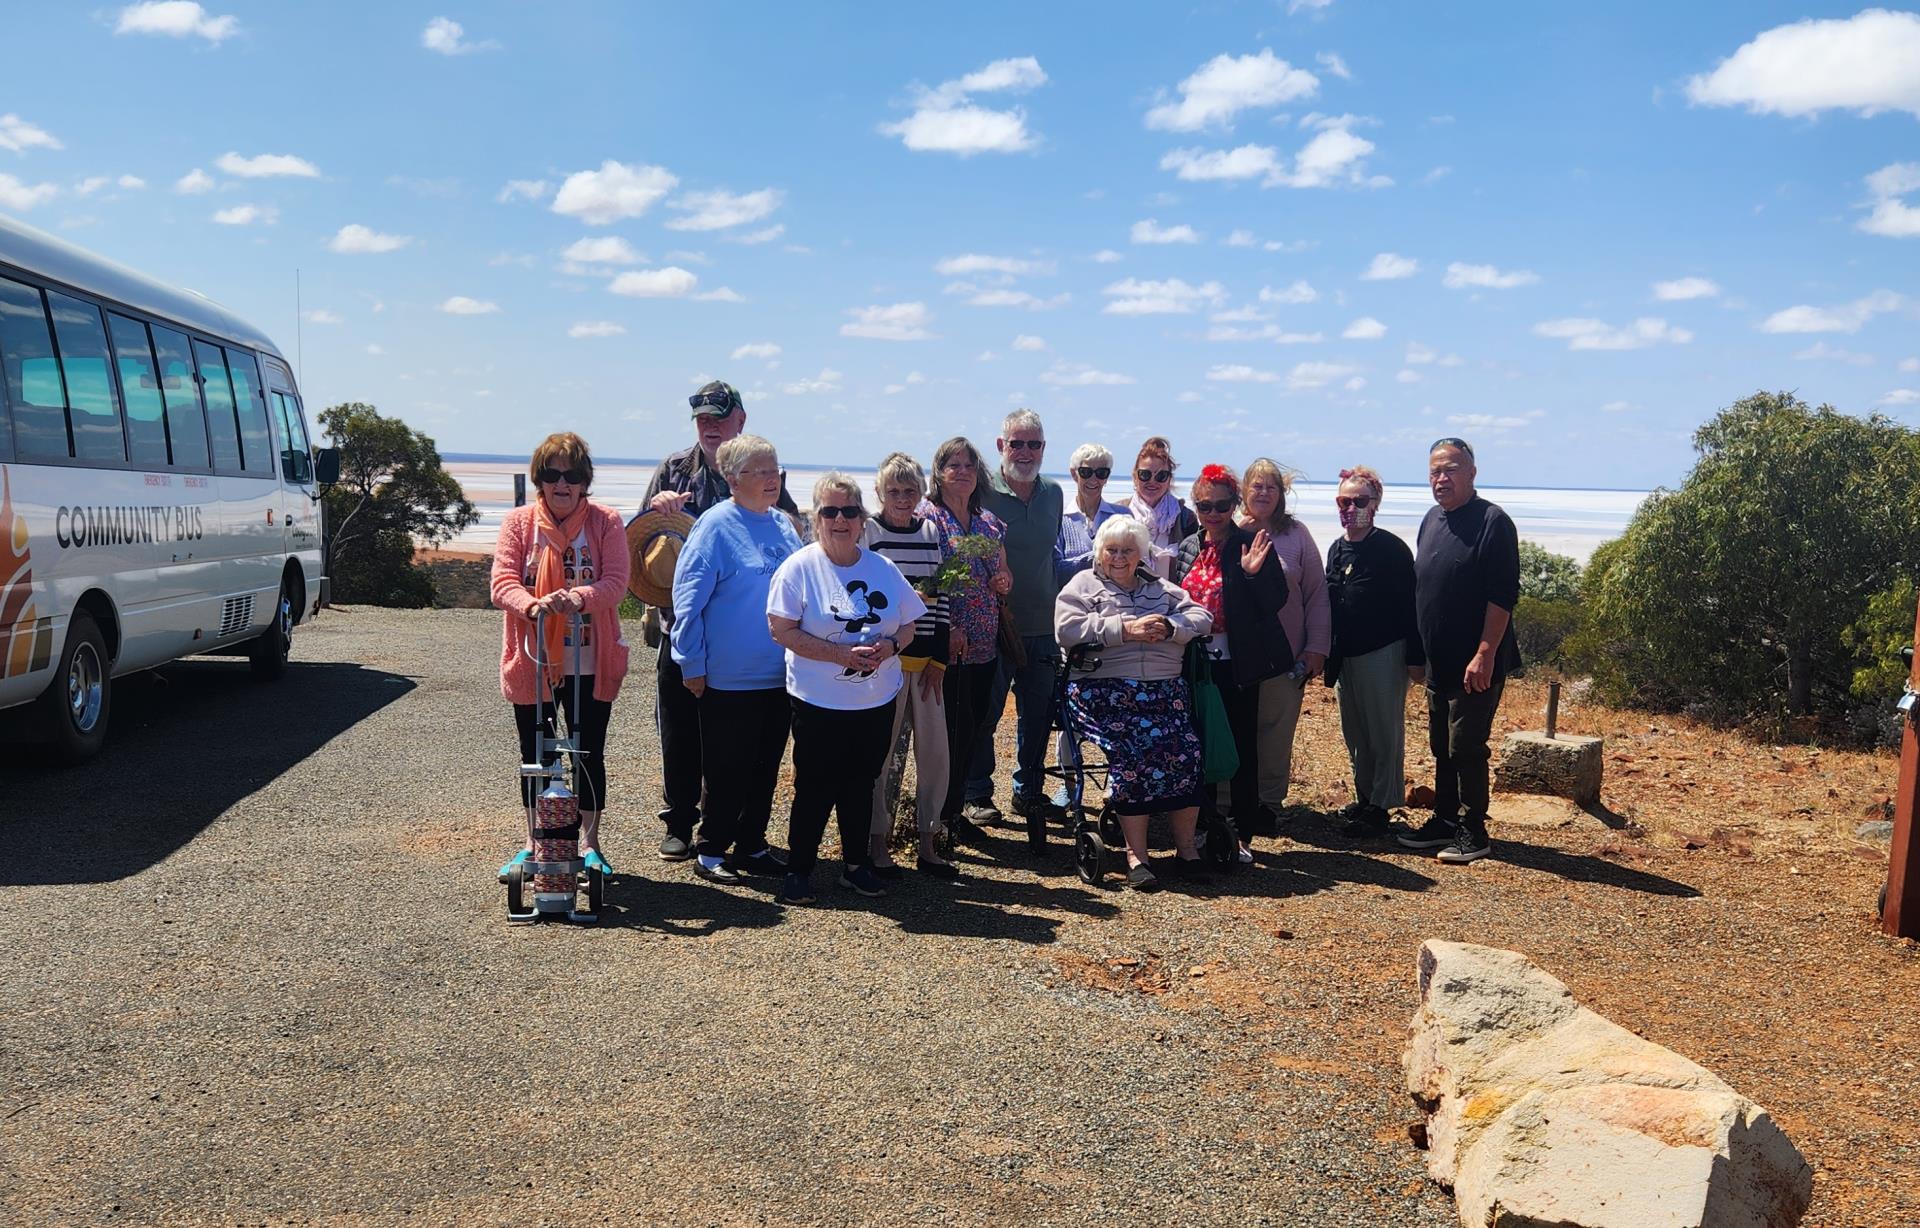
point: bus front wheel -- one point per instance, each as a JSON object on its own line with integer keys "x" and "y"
{"x": 268, "y": 653}
{"x": 77, "y": 702}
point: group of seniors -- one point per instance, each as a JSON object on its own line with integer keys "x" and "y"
{"x": 967, "y": 584}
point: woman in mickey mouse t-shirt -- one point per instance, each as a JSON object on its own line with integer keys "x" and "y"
{"x": 843, "y": 614}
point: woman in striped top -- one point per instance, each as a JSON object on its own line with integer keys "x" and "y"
{"x": 913, "y": 544}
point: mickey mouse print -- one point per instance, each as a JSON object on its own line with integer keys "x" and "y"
{"x": 862, "y": 603}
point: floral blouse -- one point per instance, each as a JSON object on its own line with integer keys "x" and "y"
{"x": 1203, "y": 585}
{"x": 974, "y": 611}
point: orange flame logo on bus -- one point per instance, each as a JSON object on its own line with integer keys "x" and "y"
{"x": 26, "y": 641}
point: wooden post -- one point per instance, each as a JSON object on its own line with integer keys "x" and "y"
{"x": 519, "y": 490}
{"x": 1553, "y": 709}
{"x": 1900, "y": 914}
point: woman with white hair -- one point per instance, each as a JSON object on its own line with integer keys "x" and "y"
{"x": 844, "y": 615}
{"x": 1135, "y": 704}
{"x": 1090, "y": 466}
{"x": 730, "y": 663}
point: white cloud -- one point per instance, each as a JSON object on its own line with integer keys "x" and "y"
{"x": 596, "y": 328}
{"x": 670, "y": 282}
{"x": 90, "y": 185}
{"x": 1294, "y": 295}
{"x": 375, "y": 348}
{"x": 1314, "y": 6}
{"x": 1316, "y": 374}
{"x": 1227, "y": 85}
{"x": 19, "y": 136}
{"x": 132, "y": 183}
{"x": 1266, "y": 332}
{"x": 449, "y": 37}
{"x": 194, "y": 183}
{"x": 1821, "y": 351}
{"x": 1241, "y": 238}
{"x": 1029, "y": 343}
{"x": 1588, "y": 334}
{"x": 1419, "y": 355}
{"x": 608, "y": 249}
{"x": 1901, "y": 396}
{"x": 1107, "y": 255}
{"x": 1366, "y": 328}
{"x": 176, "y": 19}
{"x": 720, "y": 294}
{"x": 613, "y": 192}
{"x": 944, "y": 121}
{"x": 266, "y": 166}
{"x": 1389, "y": 266}
{"x": 765, "y": 235}
{"x": 358, "y": 240}
{"x": 1151, "y": 231}
{"x": 1866, "y": 63}
{"x": 1893, "y": 217}
{"x": 1910, "y": 364}
{"x": 1133, "y": 297}
{"x": 21, "y": 197}
{"x": 1681, "y": 289}
{"x": 320, "y": 315}
{"x": 1494, "y": 422}
{"x": 764, "y": 350}
{"x": 967, "y": 265}
{"x": 1246, "y": 162}
{"x": 1845, "y": 318}
{"x": 461, "y": 305}
{"x": 1334, "y": 65}
{"x": 523, "y": 189}
{"x": 1436, "y": 175}
{"x": 247, "y": 215}
{"x": 1240, "y": 374}
{"x": 1355, "y": 384}
{"x": 1408, "y": 375}
{"x": 1334, "y": 156}
{"x": 1079, "y": 375}
{"x": 1008, "y": 298}
{"x": 893, "y": 322}
{"x": 1616, "y": 407}
{"x": 1485, "y": 276}
{"x": 827, "y": 381}
{"x": 718, "y": 210}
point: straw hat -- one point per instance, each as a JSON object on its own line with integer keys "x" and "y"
{"x": 653, "y": 548}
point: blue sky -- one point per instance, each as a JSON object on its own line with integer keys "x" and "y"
{"x": 1325, "y": 232}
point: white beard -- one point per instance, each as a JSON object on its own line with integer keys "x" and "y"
{"x": 1022, "y": 471}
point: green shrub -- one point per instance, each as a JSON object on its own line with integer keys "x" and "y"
{"x": 1541, "y": 627}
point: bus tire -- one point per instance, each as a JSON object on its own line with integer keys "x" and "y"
{"x": 76, "y": 704}
{"x": 267, "y": 654}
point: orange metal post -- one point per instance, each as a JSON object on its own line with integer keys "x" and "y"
{"x": 1900, "y": 916}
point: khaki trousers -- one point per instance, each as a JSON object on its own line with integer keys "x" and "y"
{"x": 927, "y": 719}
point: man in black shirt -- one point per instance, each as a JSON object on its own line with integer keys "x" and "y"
{"x": 1466, "y": 581}
{"x": 689, "y": 481}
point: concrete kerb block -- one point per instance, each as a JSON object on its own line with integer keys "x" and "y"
{"x": 1567, "y": 765}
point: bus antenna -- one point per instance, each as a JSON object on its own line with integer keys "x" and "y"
{"x": 299, "y": 334}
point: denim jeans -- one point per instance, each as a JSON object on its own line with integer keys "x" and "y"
{"x": 1032, "y": 685}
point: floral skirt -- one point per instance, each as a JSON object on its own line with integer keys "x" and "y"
{"x": 1146, "y": 729}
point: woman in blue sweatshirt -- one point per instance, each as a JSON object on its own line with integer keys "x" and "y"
{"x": 729, "y": 661}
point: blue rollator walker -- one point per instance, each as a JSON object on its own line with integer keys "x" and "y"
{"x": 556, "y": 871}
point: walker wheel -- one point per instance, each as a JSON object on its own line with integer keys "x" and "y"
{"x": 596, "y": 890}
{"x": 1090, "y": 855}
{"x": 1223, "y": 842}
{"x": 516, "y": 888}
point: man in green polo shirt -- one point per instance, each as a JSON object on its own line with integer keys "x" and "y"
{"x": 1030, "y": 505}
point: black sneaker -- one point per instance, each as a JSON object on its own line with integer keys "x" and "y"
{"x": 1470, "y": 845}
{"x": 1435, "y": 833}
{"x": 766, "y": 861}
{"x": 1194, "y": 871}
{"x": 678, "y": 846}
{"x": 719, "y": 872}
{"x": 1263, "y": 822}
{"x": 795, "y": 889}
{"x": 1367, "y": 823}
{"x": 863, "y": 880}
{"x": 1141, "y": 878}
{"x": 965, "y": 831}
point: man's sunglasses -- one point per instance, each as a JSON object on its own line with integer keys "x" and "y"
{"x": 1343, "y": 502}
{"x": 1091, "y": 472}
{"x": 574, "y": 477}
{"x": 835, "y": 513}
{"x": 1208, "y": 507}
{"x": 1152, "y": 475}
{"x": 720, "y": 400}
{"x": 1025, "y": 445}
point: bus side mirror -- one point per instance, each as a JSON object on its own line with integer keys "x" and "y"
{"x": 326, "y": 466}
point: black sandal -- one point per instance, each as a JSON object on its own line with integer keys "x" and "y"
{"x": 1141, "y": 878}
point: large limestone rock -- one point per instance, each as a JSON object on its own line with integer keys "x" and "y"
{"x": 1542, "y": 1114}
{"x": 1566, "y": 765}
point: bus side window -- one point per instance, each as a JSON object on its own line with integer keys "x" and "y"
{"x": 223, "y": 429}
{"x": 93, "y": 409}
{"x": 186, "y": 425}
{"x": 295, "y": 465}
{"x": 256, "y": 446}
{"x": 33, "y": 375}
{"x": 140, "y": 389}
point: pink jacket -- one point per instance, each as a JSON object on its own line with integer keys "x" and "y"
{"x": 1307, "y": 617}
{"x": 607, "y": 538}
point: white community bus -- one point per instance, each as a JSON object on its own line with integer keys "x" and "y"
{"x": 158, "y": 494}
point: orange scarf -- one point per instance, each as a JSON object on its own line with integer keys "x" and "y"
{"x": 552, "y": 539}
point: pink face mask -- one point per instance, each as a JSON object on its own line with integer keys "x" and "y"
{"x": 1356, "y": 517}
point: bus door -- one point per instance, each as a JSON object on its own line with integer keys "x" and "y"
{"x": 300, "y": 501}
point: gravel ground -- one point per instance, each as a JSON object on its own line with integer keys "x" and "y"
{"x": 257, "y": 971}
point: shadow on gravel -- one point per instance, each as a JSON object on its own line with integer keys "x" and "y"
{"x": 976, "y": 907}
{"x": 685, "y": 908}
{"x": 1296, "y": 872}
{"x": 187, "y": 742}
{"x": 1578, "y": 868}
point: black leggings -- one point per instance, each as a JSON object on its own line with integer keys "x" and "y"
{"x": 589, "y": 723}
{"x": 968, "y": 688}
{"x": 1243, "y": 716}
{"x": 837, "y": 755}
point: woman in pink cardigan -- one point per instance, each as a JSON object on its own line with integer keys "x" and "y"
{"x": 563, "y": 555}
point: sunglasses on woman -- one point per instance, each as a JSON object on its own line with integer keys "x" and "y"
{"x": 835, "y": 513}
{"x": 1152, "y": 475}
{"x": 1091, "y": 472}
{"x": 1208, "y": 507}
{"x": 1343, "y": 502}
{"x": 574, "y": 477}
